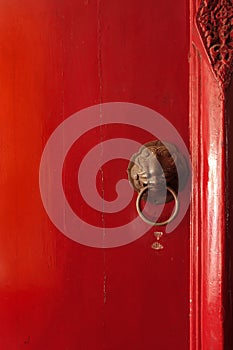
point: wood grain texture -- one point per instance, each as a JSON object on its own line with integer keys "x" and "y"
{"x": 208, "y": 213}
{"x": 58, "y": 57}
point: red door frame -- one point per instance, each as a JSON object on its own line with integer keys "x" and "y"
{"x": 210, "y": 73}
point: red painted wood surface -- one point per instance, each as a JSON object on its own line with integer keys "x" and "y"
{"x": 228, "y": 272}
{"x": 58, "y": 57}
{"x": 209, "y": 275}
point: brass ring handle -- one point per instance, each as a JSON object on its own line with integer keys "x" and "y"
{"x": 174, "y": 213}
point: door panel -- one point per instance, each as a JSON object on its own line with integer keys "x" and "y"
{"x": 57, "y": 58}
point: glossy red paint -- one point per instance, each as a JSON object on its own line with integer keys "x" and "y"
{"x": 208, "y": 211}
{"x": 58, "y": 57}
{"x": 228, "y": 272}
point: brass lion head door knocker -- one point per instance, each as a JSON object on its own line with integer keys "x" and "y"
{"x": 153, "y": 174}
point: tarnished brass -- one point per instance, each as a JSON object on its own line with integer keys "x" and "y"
{"x": 156, "y": 245}
{"x": 144, "y": 170}
{"x": 155, "y": 223}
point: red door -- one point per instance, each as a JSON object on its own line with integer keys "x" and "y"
{"x": 96, "y": 79}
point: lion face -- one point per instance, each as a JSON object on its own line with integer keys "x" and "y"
{"x": 156, "y": 166}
